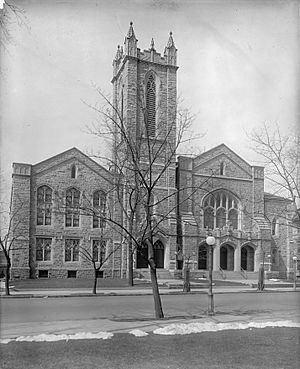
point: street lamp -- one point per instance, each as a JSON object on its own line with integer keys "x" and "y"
{"x": 295, "y": 271}
{"x": 210, "y": 241}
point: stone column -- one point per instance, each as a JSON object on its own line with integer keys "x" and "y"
{"x": 237, "y": 259}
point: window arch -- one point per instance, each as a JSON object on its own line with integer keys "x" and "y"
{"x": 99, "y": 206}
{"x": 150, "y": 106}
{"x": 44, "y": 205}
{"x": 221, "y": 208}
{"x": 72, "y": 207}
{"x": 222, "y": 168}
{"x": 274, "y": 227}
{"x": 73, "y": 171}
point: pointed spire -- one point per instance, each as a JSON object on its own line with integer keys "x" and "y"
{"x": 130, "y": 42}
{"x": 152, "y": 45}
{"x": 170, "y": 41}
{"x": 117, "y": 57}
{"x": 171, "y": 51}
{"x": 130, "y": 31}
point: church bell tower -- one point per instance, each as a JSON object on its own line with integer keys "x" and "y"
{"x": 145, "y": 97}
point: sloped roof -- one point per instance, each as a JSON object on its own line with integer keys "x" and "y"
{"x": 270, "y": 196}
{"x": 68, "y": 155}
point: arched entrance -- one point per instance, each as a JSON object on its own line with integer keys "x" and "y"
{"x": 247, "y": 258}
{"x": 203, "y": 257}
{"x": 227, "y": 257}
{"x": 159, "y": 255}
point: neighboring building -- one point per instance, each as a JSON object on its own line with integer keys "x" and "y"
{"x": 217, "y": 191}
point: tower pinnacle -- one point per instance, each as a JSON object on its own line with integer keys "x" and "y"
{"x": 130, "y": 32}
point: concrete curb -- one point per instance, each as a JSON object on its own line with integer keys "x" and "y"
{"x": 49, "y": 294}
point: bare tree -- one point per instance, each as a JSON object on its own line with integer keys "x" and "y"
{"x": 10, "y": 235}
{"x": 9, "y": 16}
{"x": 141, "y": 162}
{"x": 97, "y": 258}
{"x": 280, "y": 154}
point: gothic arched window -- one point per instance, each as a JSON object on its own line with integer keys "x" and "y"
{"x": 221, "y": 208}
{"x": 222, "y": 168}
{"x": 150, "y": 106}
{"x": 274, "y": 227}
{"x": 72, "y": 207}
{"x": 99, "y": 206}
{"x": 209, "y": 218}
{"x": 73, "y": 171}
{"x": 44, "y": 205}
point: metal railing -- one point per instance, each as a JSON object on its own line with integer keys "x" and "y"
{"x": 223, "y": 275}
{"x": 244, "y": 273}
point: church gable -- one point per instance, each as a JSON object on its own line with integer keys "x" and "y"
{"x": 221, "y": 161}
{"x": 74, "y": 163}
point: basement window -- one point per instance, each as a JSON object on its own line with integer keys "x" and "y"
{"x": 100, "y": 274}
{"x": 43, "y": 274}
{"x": 72, "y": 273}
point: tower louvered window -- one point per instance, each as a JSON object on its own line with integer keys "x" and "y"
{"x": 150, "y": 107}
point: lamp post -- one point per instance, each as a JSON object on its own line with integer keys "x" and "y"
{"x": 295, "y": 272}
{"x": 210, "y": 241}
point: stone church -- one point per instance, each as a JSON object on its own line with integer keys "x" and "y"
{"x": 250, "y": 226}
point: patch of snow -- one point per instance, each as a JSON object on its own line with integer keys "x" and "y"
{"x": 138, "y": 333}
{"x": 59, "y": 337}
{"x": 189, "y": 328}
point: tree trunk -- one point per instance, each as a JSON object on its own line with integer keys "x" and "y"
{"x": 95, "y": 282}
{"x": 186, "y": 279}
{"x": 261, "y": 279}
{"x": 156, "y": 296}
{"x": 130, "y": 264}
{"x": 7, "y": 276}
{"x": 130, "y": 256}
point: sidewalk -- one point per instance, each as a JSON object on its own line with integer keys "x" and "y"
{"x": 166, "y": 287}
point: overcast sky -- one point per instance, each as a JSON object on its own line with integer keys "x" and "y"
{"x": 238, "y": 68}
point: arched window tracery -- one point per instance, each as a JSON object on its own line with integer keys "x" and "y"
{"x": 72, "y": 207}
{"x": 221, "y": 208}
{"x": 99, "y": 205}
{"x": 44, "y": 205}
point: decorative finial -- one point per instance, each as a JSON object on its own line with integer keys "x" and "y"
{"x": 152, "y": 45}
{"x": 170, "y": 41}
{"x": 130, "y": 31}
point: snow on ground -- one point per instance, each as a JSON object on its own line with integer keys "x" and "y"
{"x": 59, "y": 337}
{"x": 170, "y": 329}
{"x": 138, "y": 333}
{"x": 196, "y": 327}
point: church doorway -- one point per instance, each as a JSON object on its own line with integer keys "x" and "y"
{"x": 227, "y": 257}
{"x": 202, "y": 257}
{"x": 247, "y": 258}
{"x": 159, "y": 256}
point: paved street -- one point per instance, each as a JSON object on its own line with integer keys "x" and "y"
{"x": 29, "y": 316}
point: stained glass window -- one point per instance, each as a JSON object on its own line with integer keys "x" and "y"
{"x": 99, "y": 207}
{"x": 43, "y": 249}
{"x": 72, "y": 207}
{"x": 71, "y": 250}
{"x": 44, "y": 205}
